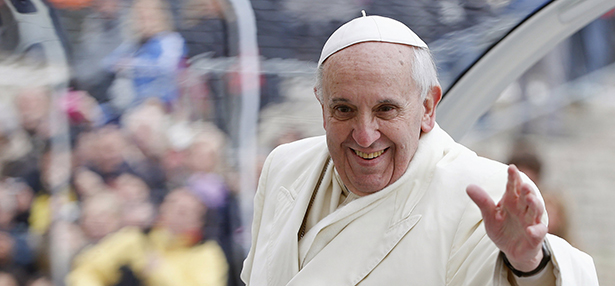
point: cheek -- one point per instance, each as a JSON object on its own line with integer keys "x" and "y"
{"x": 405, "y": 137}
{"x": 335, "y": 130}
{"x": 342, "y": 136}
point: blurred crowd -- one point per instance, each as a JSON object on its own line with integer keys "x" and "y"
{"x": 142, "y": 193}
{"x": 144, "y": 184}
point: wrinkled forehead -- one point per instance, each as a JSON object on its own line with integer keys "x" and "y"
{"x": 373, "y": 54}
{"x": 389, "y": 64}
{"x": 367, "y": 66}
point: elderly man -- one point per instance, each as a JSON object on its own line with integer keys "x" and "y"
{"x": 387, "y": 197}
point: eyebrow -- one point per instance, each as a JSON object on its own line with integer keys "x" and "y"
{"x": 383, "y": 101}
{"x": 338, "y": 99}
{"x": 389, "y": 101}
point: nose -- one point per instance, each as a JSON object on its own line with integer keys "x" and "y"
{"x": 366, "y": 132}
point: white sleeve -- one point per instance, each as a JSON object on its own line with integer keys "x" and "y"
{"x": 571, "y": 267}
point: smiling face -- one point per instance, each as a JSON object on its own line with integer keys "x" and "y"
{"x": 373, "y": 114}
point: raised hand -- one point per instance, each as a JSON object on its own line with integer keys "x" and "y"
{"x": 514, "y": 224}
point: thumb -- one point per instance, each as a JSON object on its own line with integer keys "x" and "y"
{"x": 482, "y": 200}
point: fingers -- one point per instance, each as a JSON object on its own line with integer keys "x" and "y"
{"x": 482, "y": 200}
{"x": 536, "y": 233}
{"x": 520, "y": 199}
{"x": 524, "y": 199}
{"x": 534, "y": 208}
{"x": 520, "y": 202}
{"x": 514, "y": 181}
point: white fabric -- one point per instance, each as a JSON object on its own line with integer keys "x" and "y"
{"x": 369, "y": 29}
{"x": 421, "y": 230}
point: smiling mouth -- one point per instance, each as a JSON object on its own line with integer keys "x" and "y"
{"x": 369, "y": 156}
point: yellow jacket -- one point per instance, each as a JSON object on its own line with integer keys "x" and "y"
{"x": 157, "y": 258}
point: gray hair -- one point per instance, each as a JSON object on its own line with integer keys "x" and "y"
{"x": 423, "y": 72}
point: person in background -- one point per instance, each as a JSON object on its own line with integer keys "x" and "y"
{"x": 8, "y": 279}
{"x": 152, "y": 63}
{"x": 102, "y": 31}
{"x": 22, "y": 195}
{"x": 203, "y": 26}
{"x": 525, "y": 157}
{"x": 145, "y": 128}
{"x": 18, "y": 157}
{"x": 82, "y": 111}
{"x": 101, "y": 215}
{"x": 108, "y": 158}
{"x": 16, "y": 254}
{"x": 288, "y": 136}
{"x": 39, "y": 280}
{"x": 172, "y": 253}
{"x": 137, "y": 207}
{"x": 130, "y": 188}
{"x": 33, "y": 107}
{"x": 55, "y": 171}
{"x": 87, "y": 183}
{"x": 208, "y": 182}
{"x": 559, "y": 223}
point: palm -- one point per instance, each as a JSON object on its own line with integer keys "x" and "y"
{"x": 514, "y": 224}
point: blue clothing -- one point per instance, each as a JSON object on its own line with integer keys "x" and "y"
{"x": 153, "y": 66}
{"x": 22, "y": 253}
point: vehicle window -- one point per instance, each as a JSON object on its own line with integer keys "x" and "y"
{"x": 472, "y": 33}
{"x": 3, "y": 10}
{"x": 24, "y": 6}
{"x": 559, "y": 116}
{"x": 8, "y": 29}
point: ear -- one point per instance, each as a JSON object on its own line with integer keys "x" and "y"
{"x": 322, "y": 106}
{"x": 429, "y": 104}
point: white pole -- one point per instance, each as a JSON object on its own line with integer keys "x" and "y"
{"x": 249, "y": 71}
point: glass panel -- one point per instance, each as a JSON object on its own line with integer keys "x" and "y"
{"x": 473, "y": 32}
{"x": 555, "y": 122}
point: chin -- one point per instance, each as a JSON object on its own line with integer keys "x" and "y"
{"x": 366, "y": 188}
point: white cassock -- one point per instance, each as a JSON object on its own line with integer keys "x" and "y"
{"x": 421, "y": 230}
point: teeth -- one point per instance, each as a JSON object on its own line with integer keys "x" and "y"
{"x": 370, "y": 155}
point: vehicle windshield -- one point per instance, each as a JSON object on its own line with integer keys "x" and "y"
{"x": 470, "y": 33}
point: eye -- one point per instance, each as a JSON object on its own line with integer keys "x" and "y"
{"x": 386, "y": 108}
{"x": 386, "y": 111}
{"x": 343, "y": 109}
{"x": 343, "y": 112}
